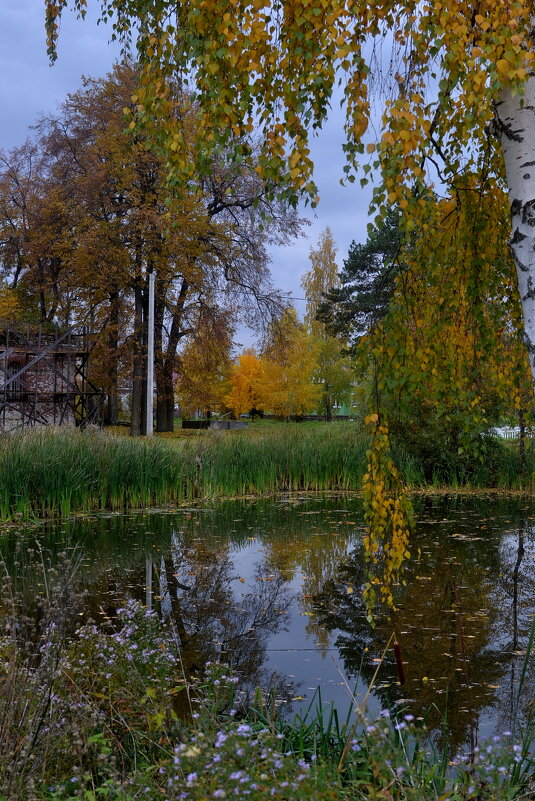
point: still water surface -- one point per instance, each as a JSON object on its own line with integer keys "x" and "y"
{"x": 273, "y": 585}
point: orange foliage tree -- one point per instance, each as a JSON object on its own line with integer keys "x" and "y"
{"x": 245, "y": 376}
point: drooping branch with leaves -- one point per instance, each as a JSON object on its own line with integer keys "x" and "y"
{"x": 460, "y": 93}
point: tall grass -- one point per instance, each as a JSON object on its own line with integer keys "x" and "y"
{"x": 287, "y": 458}
{"x": 58, "y": 472}
{"x": 45, "y": 471}
{"x": 61, "y": 471}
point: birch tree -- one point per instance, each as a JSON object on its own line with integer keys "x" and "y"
{"x": 458, "y": 75}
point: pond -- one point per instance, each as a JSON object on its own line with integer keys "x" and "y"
{"x": 273, "y": 585}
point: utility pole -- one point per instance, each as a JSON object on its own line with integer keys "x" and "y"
{"x": 150, "y": 357}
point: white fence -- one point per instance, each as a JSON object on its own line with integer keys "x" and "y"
{"x": 511, "y": 432}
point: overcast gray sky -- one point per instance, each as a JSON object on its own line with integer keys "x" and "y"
{"x": 29, "y": 86}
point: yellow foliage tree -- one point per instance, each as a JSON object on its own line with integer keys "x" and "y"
{"x": 285, "y": 386}
{"x": 204, "y": 367}
{"x": 449, "y": 355}
{"x": 9, "y": 305}
{"x": 244, "y": 378}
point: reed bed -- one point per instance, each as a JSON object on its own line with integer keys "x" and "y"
{"x": 46, "y": 472}
{"x": 57, "y": 472}
{"x": 286, "y": 458}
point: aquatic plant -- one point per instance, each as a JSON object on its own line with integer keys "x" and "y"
{"x": 46, "y": 472}
{"x": 57, "y": 472}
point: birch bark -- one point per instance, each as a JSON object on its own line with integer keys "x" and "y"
{"x": 516, "y": 125}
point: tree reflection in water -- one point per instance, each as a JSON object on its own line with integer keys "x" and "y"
{"x": 215, "y": 617}
{"x": 233, "y": 577}
{"x": 459, "y": 640}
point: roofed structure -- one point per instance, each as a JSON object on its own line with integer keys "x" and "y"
{"x": 43, "y": 378}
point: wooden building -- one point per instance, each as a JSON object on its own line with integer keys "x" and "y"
{"x": 43, "y": 378}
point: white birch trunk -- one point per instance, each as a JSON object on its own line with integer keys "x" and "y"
{"x": 516, "y": 126}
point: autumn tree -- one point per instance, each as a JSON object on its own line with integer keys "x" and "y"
{"x": 207, "y": 244}
{"x": 204, "y": 365}
{"x": 461, "y": 91}
{"x": 285, "y": 386}
{"x": 88, "y": 214}
{"x": 36, "y": 224}
{"x": 245, "y": 375}
{"x": 9, "y": 304}
{"x": 125, "y": 232}
{"x": 444, "y": 378}
{"x": 333, "y": 371}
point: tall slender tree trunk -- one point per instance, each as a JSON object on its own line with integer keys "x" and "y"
{"x": 164, "y": 376}
{"x": 516, "y": 127}
{"x": 165, "y": 399}
{"x": 159, "y": 310}
{"x": 112, "y": 411}
{"x": 327, "y": 403}
{"x": 165, "y": 404}
{"x": 169, "y": 399}
{"x": 144, "y": 360}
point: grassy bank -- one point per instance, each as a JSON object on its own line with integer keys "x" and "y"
{"x": 58, "y": 472}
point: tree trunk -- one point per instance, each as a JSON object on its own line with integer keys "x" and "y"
{"x": 327, "y": 403}
{"x": 165, "y": 404}
{"x": 112, "y": 410}
{"x": 516, "y": 125}
{"x": 165, "y": 362}
{"x": 159, "y": 360}
{"x": 144, "y": 361}
{"x": 170, "y": 401}
{"x": 162, "y": 424}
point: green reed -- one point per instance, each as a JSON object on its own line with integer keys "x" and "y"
{"x": 288, "y": 457}
{"x": 46, "y": 471}
{"x": 61, "y": 471}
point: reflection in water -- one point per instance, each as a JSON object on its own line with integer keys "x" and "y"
{"x": 214, "y": 615}
{"x": 453, "y": 622}
{"x": 273, "y": 587}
